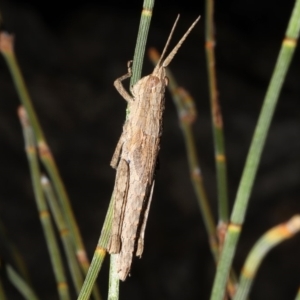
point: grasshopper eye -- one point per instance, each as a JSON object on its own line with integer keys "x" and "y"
{"x": 166, "y": 81}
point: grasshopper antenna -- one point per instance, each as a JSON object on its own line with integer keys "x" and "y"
{"x": 175, "y": 49}
{"x": 168, "y": 42}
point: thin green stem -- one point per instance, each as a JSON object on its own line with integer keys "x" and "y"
{"x": 261, "y": 248}
{"x": 141, "y": 41}
{"x": 98, "y": 257}
{"x": 81, "y": 255}
{"x": 255, "y": 151}
{"x": 20, "y": 284}
{"x": 114, "y": 282}
{"x": 64, "y": 233}
{"x": 217, "y": 120}
{"x": 44, "y": 215}
{"x": 6, "y": 47}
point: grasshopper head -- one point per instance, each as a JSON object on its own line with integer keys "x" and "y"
{"x": 160, "y": 73}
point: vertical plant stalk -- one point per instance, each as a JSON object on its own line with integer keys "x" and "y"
{"x": 6, "y": 47}
{"x": 262, "y": 247}
{"x": 98, "y": 257}
{"x": 30, "y": 147}
{"x": 242, "y": 198}
{"x": 64, "y": 233}
{"x": 217, "y": 120}
{"x": 140, "y": 46}
{"x": 114, "y": 282}
{"x": 20, "y": 284}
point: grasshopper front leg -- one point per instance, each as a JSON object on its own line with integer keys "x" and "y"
{"x": 119, "y": 86}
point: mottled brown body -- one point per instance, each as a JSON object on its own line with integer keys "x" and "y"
{"x": 135, "y": 159}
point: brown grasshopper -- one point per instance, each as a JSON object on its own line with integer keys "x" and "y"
{"x": 135, "y": 159}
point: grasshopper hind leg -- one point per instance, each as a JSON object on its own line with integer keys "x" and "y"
{"x": 140, "y": 243}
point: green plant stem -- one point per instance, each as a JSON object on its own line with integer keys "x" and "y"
{"x": 6, "y": 47}
{"x": 20, "y": 284}
{"x": 261, "y": 248}
{"x": 64, "y": 233}
{"x": 255, "y": 151}
{"x": 44, "y": 215}
{"x": 98, "y": 257}
{"x": 48, "y": 160}
{"x": 217, "y": 120}
{"x": 114, "y": 282}
{"x": 141, "y": 41}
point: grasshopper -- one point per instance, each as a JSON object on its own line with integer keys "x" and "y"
{"x": 135, "y": 159}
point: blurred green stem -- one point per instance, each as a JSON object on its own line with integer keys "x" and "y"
{"x": 6, "y": 47}
{"x": 262, "y": 247}
{"x": 44, "y": 215}
{"x": 98, "y": 257}
{"x": 20, "y": 284}
{"x": 217, "y": 120}
{"x": 64, "y": 233}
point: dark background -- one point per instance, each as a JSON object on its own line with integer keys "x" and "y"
{"x": 70, "y": 54}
